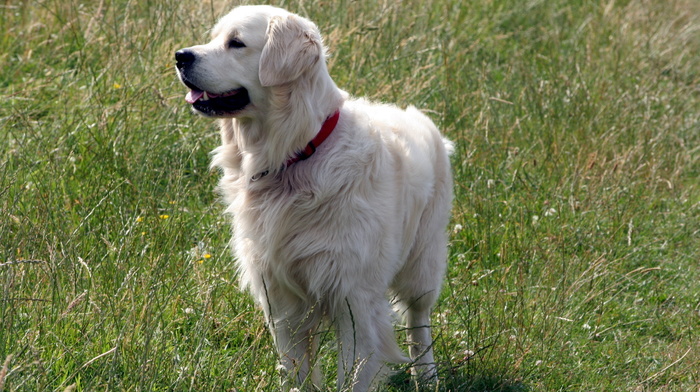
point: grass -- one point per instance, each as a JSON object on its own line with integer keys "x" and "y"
{"x": 576, "y": 225}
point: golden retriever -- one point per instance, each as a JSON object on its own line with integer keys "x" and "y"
{"x": 339, "y": 205}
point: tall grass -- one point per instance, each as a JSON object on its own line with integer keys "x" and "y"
{"x": 575, "y": 236}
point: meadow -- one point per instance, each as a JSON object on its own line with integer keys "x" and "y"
{"x": 575, "y": 239}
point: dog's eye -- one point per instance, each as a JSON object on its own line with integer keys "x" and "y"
{"x": 235, "y": 43}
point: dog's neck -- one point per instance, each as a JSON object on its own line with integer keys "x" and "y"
{"x": 295, "y": 115}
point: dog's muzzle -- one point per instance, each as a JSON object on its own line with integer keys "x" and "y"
{"x": 208, "y": 103}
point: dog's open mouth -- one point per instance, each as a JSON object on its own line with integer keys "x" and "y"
{"x": 223, "y": 104}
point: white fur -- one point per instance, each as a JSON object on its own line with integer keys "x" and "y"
{"x": 334, "y": 236}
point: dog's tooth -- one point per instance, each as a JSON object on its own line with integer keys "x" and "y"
{"x": 205, "y": 97}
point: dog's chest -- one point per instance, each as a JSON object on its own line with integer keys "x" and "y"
{"x": 303, "y": 239}
{"x": 283, "y": 223}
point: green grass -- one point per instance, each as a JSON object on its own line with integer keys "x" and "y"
{"x": 576, "y": 225}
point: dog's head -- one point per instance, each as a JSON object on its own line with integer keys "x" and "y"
{"x": 252, "y": 50}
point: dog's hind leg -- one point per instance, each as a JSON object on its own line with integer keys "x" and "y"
{"x": 417, "y": 287}
{"x": 418, "y": 333}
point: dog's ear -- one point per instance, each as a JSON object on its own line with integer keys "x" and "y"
{"x": 293, "y": 46}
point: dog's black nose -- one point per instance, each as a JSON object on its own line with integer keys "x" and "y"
{"x": 184, "y": 58}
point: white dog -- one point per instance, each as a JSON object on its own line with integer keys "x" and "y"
{"x": 338, "y": 204}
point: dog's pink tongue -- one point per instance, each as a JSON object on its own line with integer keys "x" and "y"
{"x": 193, "y": 96}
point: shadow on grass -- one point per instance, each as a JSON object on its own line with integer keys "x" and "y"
{"x": 459, "y": 380}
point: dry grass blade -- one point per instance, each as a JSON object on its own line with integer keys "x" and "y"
{"x": 4, "y": 371}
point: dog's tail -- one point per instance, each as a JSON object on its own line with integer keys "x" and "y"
{"x": 449, "y": 146}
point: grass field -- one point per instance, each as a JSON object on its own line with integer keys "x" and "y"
{"x": 575, "y": 241}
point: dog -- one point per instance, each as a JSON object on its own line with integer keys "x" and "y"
{"x": 339, "y": 205}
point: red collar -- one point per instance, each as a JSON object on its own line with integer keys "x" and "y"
{"x": 326, "y": 129}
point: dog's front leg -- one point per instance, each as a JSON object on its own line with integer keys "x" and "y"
{"x": 358, "y": 365}
{"x": 297, "y": 349}
{"x": 365, "y": 342}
